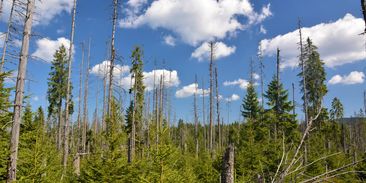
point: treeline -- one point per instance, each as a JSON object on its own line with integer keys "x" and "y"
{"x": 137, "y": 143}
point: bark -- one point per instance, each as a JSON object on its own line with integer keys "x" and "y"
{"x": 303, "y": 73}
{"x": 227, "y": 174}
{"x": 196, "y": 118}
{"x": 80, "y": 96}
{"x": 19, "y": 92}
{"x": 218, "y": 108}
{"x": 212, "y": 44}
{"x": 7, "y": 34}
{"x": 85, "y": 112}
{"x": 113, "y": 56}
{"x": 68, "y": 92}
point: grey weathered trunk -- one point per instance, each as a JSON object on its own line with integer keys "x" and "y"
{"x": 68, "y": 93}
{"x": 85, "y": 112}
{"x": 204, "y": 115}
{"x": 80, "y": 97}
{"x": 196, "y": 118}
{"x": 227, "y": 174}
{"x": 7, "y": 34}
{"x": 19, "y": 92}
{"x": 212, "y": 44}
{"x": 218, "y": 109}
{"x": 113, "y": 56}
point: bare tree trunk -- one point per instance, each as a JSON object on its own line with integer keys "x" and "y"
{"x": 19, "y": 92}
{"x": 133, "y": 131}
{"x": 218, "y": 109}
{"x": 204, "y": 115}
{"x": 261, "y": 67}
{"x": 96, "y": 121}
{"x": 104, "y": 101}
{"x": 60, "y": 125}
{"x": 7, "y": 34}
{"x": 113, "y": 56}
{"x": 68, "y": 92}
{"x": 227, "y": 175}
{"x": 196, "y": 117}
{"x": 212, "y": 45}
{"x": 85, "y": 112}
{"x": 80, "y": 97}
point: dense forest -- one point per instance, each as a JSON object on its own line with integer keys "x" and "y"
{"x": 141, "y": 143}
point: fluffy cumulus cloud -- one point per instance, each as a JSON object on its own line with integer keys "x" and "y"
{"x": 354, "y": 77}
{"x": 221, "y": 50}
{"x": 190, "y": 90}
{"x": 242, "y": 83}
{"x": 152, "y": 78}
{"x": 169, "y": 40}
{"x": 103, "y": 68}
{"x": 195, "y": 21}
{"x": 46, "y": 48}
{"x": 232, "y": 98}
{"x": 330, "y": 38}
{"x": 45, "y": 10}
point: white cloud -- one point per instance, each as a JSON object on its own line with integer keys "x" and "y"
{"x": 262, "y": 30}
{"x": 339, "y": 42}
{"x": 45, "y": 10}
{"x": 136, "y": 3}
{"x": 221, "y": 50}
{"x": 242, "y": 83}
{"x": 46, "y": 48}
{"x": 197, "y": 21}
{"x": 190, "y": 90}
{"x": 169, "y": 40}
{"x": 170, "y": 79}
{"x": 232, "y": 98}
{"x": 103, "y": 68}
{"x": 354, "y": 77}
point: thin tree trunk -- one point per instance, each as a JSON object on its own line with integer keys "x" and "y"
{"x": 104, "y": 101}
{"x": 212, "y": 44}
{"x": 19, "y": 92}
{"x": 60, "y": 125}
{"x": 113, "y": 56}
{"x": 68, "y": 92}
{"x": 196, "y": 117}
{"x": 7, "y": 34}
{"x": 218, "y": 109}
{"x": 86, "y": 92}
{"x": 80, "y": 97}
{"x": 302, "y": 61}
{"x": 204, "y": 115}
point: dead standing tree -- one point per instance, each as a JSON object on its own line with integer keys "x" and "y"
{"x": 85, "y": 112}
{"x": 7, "y": 34}
{"x": 19, "y": 92}
{"x": 212, "y": 54}
{"x": 68, "y": 92}
{"x": 113, "y": 57}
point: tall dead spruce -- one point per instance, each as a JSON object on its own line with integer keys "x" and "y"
{"x": 68, "y": 92}
{"x": 113, "y": 57}
{"x": 19, "y": 92}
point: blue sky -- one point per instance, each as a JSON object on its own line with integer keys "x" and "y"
{"x": 169, "y": 31}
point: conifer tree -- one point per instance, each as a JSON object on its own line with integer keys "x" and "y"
{"x": 280, "y": 105}
{"x": 315, "y": 77}
{"x": 251, "y": 106}
{"x": 57, "y": 83}
{"x": 138, "y": 90}
{"x": 5, "y": 123}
